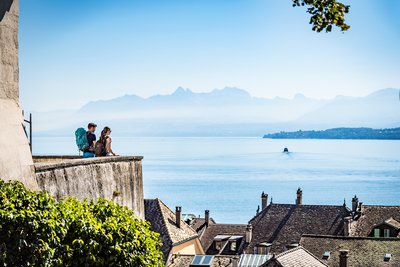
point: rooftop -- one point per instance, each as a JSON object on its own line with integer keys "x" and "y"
{"x": 372, "y": 216}
{"x": 296, "y": 257}
{"x": 363, "y": 251}
{"x": 163, "y": 221}
{"x": 225, "y": 233}
{"x": 179, "y": 260}
{"x": 284, "y": 224}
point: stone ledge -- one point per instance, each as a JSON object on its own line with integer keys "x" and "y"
{"x": 71, "y": 161}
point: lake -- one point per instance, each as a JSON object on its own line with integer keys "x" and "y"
{"x": 228, "y": 175}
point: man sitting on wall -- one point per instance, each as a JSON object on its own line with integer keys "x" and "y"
{"x": 91, "y": 137}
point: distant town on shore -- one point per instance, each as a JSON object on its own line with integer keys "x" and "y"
{"x": 340, "y": 133}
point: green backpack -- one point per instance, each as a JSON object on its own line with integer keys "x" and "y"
{"x": 81, "y": 139}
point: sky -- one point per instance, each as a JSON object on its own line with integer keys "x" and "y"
{"x": 74, "y": 51}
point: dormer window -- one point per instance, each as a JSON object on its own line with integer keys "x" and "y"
{"x": 263, "y": 248}
{"x": 386, "y": 232}
{"x": 377, "y": 232}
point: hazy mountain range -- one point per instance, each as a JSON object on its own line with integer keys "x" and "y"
{"x": 224, "y": 112}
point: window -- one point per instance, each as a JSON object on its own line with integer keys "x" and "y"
{"x": 386, "y": 232}
{"x": 377, "y": 232}
{"x": 261, "y": 250}
{"x": 326, "y": 255}
{"x": 387, "y": 257}
{"x": 218, "y": 245}
{"x": 199, "y": 260}
{"x": 233, "y": 246}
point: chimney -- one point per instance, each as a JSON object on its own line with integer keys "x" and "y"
{"x": 207, "y": 217}
{"x": 264, "y": 200}
{"x": 299, "y": 199}
{"x": 354, "y": 202}
{"x": 344, "y": 255}
{"x": 249, "y": 233}
{"x": 347, "y": 226}
{"x": 235, "y": 262}
{"x": 178, "y": 216}
{"x": 360, "y": 206}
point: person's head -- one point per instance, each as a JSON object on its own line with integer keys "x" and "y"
{"x": 106, "y": 131}
{"x": 92, "y": 127}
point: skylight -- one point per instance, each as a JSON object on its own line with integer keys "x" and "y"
{"x": 326, "y": 255}
{"x": 387, "y": 257}
{"x": 201, "y": 260}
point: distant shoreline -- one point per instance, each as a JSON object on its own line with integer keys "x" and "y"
{"x": 361, "y": 133}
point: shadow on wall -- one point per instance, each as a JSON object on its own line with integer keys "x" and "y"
{"x": 5, "y": 6}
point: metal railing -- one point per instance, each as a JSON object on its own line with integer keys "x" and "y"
{"x": 30, "y": 128}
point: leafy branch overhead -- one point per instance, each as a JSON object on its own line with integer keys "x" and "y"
{"x": 325, "y": 14}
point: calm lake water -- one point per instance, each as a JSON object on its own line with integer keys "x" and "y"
{"x": 228, "y": 175}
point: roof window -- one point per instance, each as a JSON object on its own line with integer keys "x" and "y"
{"x": 326, "y": 255}
{"x": 201, "y": 260}
{"x": 387, "y": 257}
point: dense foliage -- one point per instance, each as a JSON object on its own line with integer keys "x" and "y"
{"x": 325, "y": 14}
{"x": 37, "y": 230}
{"x": 340, "y": 133}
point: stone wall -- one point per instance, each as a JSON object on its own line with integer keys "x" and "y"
{"x": 9, "y": 50}
{"x": 113, "y": 178}
{"x": 15, "y": 156}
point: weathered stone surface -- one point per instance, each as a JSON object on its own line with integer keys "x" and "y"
{"x": 15, "y": 157}
{"x": 113, "y": 178}
{"x": 9, "y": 53}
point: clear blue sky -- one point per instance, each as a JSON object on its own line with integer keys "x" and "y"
{"x": 74, "y": 51}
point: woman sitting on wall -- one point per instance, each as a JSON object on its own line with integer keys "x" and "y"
{"x": 103, "y": 146}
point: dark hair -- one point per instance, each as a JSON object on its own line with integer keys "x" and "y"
{"x": 91, "y": 124}
{"x": 103, "y": 136}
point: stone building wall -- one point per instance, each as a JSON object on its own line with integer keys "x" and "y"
{"x": 9, "y": 14}
{"x": 113, "y": 178}
{"x": 15, "y": 156}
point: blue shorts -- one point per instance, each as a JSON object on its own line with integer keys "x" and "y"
{"x": 88, "y": 154}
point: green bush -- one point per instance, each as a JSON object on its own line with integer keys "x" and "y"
{"x": 37, "y": 230}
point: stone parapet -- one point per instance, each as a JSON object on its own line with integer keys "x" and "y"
{"x": 116, "y": 178}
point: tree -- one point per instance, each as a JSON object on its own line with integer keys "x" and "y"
{"x": 325, "y": 14}
{"x": 37, "y": 230}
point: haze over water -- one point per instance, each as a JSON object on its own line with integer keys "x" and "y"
{"x": 227, "y": 175}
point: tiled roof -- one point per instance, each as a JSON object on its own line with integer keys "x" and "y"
{"x": 209, "y": 233}
{"x": 179, "y": 260}
{"x": 198, "y": 223}
{"x": 296, "y": 257}
{"x": 372, "y": 216}
{"x": 283, "y": 224}
{"x": 363, "y": 251}
{"x": 392, "y": 222}
{"x": 162, "y": 221}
